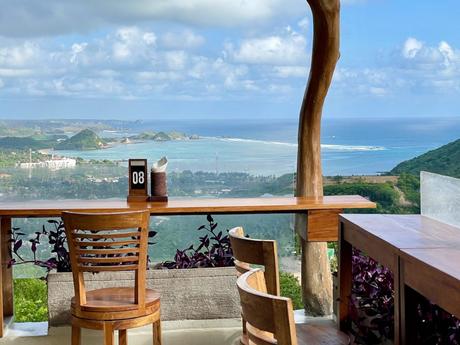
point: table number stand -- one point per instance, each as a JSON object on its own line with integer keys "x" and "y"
{"x": 138, "y": 180}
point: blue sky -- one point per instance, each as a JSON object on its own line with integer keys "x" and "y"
{"x": 144, "y": 59}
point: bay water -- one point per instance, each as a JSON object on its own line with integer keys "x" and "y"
{"x": 350, "y": 146}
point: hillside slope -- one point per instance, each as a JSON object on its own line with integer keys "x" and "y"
{"x": 444, "y": 160}
{"x": 83, "y": 140}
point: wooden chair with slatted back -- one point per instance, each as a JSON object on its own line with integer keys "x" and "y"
{"x": 111, "y": 242}
{"x": 248, "y": 251}
{"x": 270, "y": 319}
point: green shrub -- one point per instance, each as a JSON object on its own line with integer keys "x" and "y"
{"x": 30, "y": 300}
{"x": 410, "y": 185}
{"x": 290, "y": 287}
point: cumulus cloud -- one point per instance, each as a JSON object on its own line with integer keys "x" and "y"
{"x": 19, "y": 55}
{"x": 133, "y": 62}
{"x": 417, "y": 67}
{"x": 132, "y": 44}
{"x": 286, "y": 49}
{"x": 418, "y": 53}
{"x": 128, "y": 63}
{"x": 442, "y": 57}
{"x": 435, "y": 67}
{"x": 411, "y": 47}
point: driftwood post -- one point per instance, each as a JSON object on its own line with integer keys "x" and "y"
{"x": 316, "y": 276}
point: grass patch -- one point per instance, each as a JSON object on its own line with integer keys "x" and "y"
{"x": 30, "y": 300}
{"x": 290, "y": 287}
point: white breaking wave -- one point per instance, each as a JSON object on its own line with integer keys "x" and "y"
{"x": 352, "y": 147}
{"x": 257, "y": 141}
{"x": 328, "y": 147}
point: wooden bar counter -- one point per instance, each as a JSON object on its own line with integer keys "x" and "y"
{"x": 185, "y": 206}
{"x": 323, "y": 214}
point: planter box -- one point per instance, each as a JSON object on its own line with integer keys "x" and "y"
{"x": 186, "y": 294}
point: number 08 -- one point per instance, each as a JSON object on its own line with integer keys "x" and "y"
{"x": 138, "y": 177}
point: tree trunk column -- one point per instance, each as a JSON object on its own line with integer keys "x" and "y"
{"x": 316, "y": 275}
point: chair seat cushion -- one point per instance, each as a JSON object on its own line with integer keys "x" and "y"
{"x": 116, "y": 300}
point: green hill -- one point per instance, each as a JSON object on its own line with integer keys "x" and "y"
{"x": 83, "y": 140}
{"x": 161, "y": 136}
{"x": 143, "y": 136}
{"x": 444, "y": 160}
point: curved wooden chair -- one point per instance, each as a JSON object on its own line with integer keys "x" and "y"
{"x": 111, "y": 242}
{"x": 270, "y": 319}
{"x": 248, "y": 251}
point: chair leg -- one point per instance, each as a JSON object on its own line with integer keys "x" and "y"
{"x": 244, "y": 336}
{"x": 76, "y": 335}
{"x": 157, "y": 333}
{"x": 108, "y": 333}
{"x": 122, "y": 337}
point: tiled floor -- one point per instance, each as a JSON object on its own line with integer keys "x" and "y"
{"x": 188, "y": 332}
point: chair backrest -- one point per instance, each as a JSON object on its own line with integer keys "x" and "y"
{"x": 107, "y": 242}
{"x": 248, "y": 251}
{"x": 264, "y": 312}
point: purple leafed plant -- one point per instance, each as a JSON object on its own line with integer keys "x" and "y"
{"x": 214, "y": 250}
{"x": 435, "y": 326}
{"x": 372, "y": 308}
{"x": 55, "y": 239}
{"x": 372, "y": 301}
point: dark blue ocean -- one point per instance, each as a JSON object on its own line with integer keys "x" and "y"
{"x": 350, "y": 146}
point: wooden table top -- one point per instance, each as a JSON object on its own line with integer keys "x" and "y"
{"x": 185, "y": 206}
{"x": 405, "y": 231}
{"x": 434, "y": 273}
{"x": 445, "y": 260}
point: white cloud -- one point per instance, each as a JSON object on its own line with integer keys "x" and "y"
{"x": 378, "y": 91}
{"x": 447, "y": 52}
{"x": 304, "y": 24}
{"x": 182, "y": 40}
{"x": 417, "y": 68}
{"x": 77, "y": 49}
{"x": 19, "y": 55}
{"x": 134, "y": 62}
{"x": 149, "y": 38}
{"x": 231, "y": 74}
{"x": 1, "y": 83}
{"x": 431, "y": 62}
{"x": 176, "y": 60}
{"x": 125, "y": 64}
{"x": 411, "y": 47}
{"x": 132, "y": 43}
{"x": 287, "y": 49}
